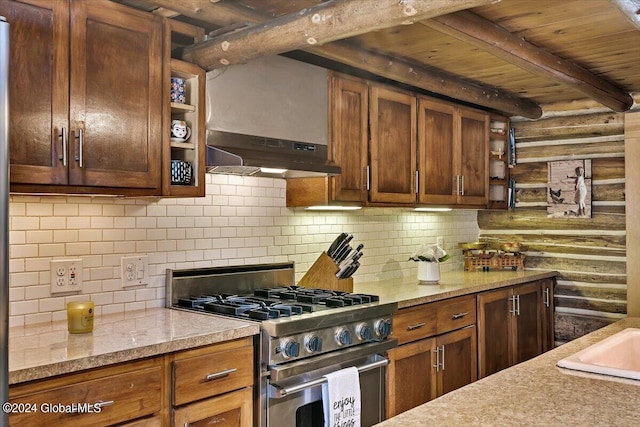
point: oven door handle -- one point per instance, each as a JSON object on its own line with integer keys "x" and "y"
{"x": 285, "y": 391}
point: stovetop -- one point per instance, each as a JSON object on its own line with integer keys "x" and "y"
{"x": 274, "y": 303}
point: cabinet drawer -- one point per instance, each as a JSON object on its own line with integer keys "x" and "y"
{"x": 414, "y": 323}
{"x": 232, "y": 409}
{"x": 456, "y": 313}
{"x": 211, "y": 374}
{"x": 124, "y": 397}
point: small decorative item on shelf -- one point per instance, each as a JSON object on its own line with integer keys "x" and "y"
{"x": 181, "y": 172}
{"x": 180, "y": 131}
{"x": 178, "y": 90}
{"x": 429, "y": 258}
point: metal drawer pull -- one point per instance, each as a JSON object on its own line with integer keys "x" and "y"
{"x": 285, "y": 391}
{"x": 546, "y": 297}
{"x": 416, "y": 326}
{"x": 101, "y": 403}
{"x": 459, "y": 315}
{"x": 220, "y": 374}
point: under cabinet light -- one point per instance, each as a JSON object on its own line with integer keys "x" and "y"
{"x": 432, "y": 209}
{"x": 333, "y": 208}
{"x": 273, "y": 170}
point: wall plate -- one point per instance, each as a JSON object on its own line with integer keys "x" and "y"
{"x": 66, "y": 275}
{"x": 134, "y": 270}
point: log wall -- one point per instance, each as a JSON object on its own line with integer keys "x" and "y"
{"x": 589, "y": 253}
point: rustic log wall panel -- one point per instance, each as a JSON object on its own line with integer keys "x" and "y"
{"x": 589, "y": 253}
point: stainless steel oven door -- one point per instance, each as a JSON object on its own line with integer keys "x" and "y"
{"x": 294, "y": 397}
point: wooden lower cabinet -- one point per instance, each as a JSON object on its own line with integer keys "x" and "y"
{"x": 228, "y": 410}
{"x": 426, "y": 369}
{"x": 512, "y": 323}
{"x": 124, "y": 392}
{"x": 213, "y": 385}
{"x": 437, "y": 352}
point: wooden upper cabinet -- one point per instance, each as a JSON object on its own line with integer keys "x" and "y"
{"x": 349, "y": 137}
{"x": 392, "y": 120}
{"x": 452, "y": 147}
{"x": 86, "y": 98}
{"x": 39, "y": 95}
{"x": 474, "y": 162}
{"x": 437, "y": 153}
{"x": 116, "y": 101}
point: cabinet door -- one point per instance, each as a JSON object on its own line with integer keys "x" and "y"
{"x": 411, "y": 378}
{"x": 437, "y": 155}
{"x": 474, "y": 161}
{"x": 116, "y": 96}
{"x": 548, "y": 324}
{"x": 228, "y": 410}
{"x": 458, "y": 358}
{"x": 393, "y": 146}
{"x": 527, "y": 332}
{"x": 493, "y": 332}
{"x": 39, "y": 95}
{"x": 348, "y": 146}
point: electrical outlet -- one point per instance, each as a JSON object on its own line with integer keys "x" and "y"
{"x": 134, "y": 271}
{"x": 440, "y": 241}
{"x": 66, "y": 275}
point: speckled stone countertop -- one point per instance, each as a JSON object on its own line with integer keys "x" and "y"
{"x": 408, "y": 291}
{"x": 537, "y": 393}
{"x": 44, "y": 350}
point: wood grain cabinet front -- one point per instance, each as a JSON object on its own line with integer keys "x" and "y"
{"x": 213, "y": 385}
{"x": 437, "y": 352}
{"x": 104, "y": 396}
{"x": 512, "y": 323}
{"x": 86, "y": 98}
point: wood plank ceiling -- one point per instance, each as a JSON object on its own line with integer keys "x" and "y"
{"x": 518, "y": 57}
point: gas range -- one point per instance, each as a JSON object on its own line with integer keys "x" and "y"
{"x": 296, "y": 322}
{"x": 305, "y": 334}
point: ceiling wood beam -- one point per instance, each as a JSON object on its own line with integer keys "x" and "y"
{"x": 433, "y": 80}
{"x": 429, "y": 79}
{"x": 484, "y": 34}
{"x": 317, "y": 25}
{"x": 630, "y": 9}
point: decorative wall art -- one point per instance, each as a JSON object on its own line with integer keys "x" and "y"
{"x": 569, "y": 189}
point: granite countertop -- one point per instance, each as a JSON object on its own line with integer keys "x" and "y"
{"x": 44, "y": 350}
{"x": 536, "y": 392}
{"x": 407, "y": 292}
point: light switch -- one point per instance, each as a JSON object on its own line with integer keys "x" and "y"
{"x": 134, "y": 271}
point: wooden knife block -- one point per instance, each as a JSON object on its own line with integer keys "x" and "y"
{"x": 322, "y": 274}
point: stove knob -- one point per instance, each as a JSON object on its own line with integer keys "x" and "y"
{"x": 312, "y": 343}
{"x": 290, "y": 348}
{"x": 343, "y": 336}
{"x": 383, "y": 328}
{"x": 363, "y": 332}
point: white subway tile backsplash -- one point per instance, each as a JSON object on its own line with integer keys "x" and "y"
{"x": 242, "y": 220}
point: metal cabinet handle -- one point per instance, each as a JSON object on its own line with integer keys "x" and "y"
{"x": 459, "y": 315}
{"x": 439, "y": 351}
{"x": 285, "y": 391}
{"x": 417, "y": 181}
{"x": 546, "y": 298}
{"x": 512, "y": 300}
{"x": 80, "y": 157}
{"x": 462, "y": 180}
{"x": 63, "y": 157}
{"x": 368, "y": 178}
{"x": 517, "y": 305}
{"x": 220, "y": 374}
{"x": 416, "y": 326}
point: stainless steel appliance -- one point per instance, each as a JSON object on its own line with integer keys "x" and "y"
{"x": 269, "y": 112}
{"x": 4, "y": 213}
{"x": 305, "y": 334}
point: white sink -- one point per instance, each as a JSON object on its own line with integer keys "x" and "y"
{"x": 617, "y": 355}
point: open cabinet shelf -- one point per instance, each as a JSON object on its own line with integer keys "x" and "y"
{"x": 190, "y": 153}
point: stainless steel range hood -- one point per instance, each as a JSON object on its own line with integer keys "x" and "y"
{"x": 268, "y": 113}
